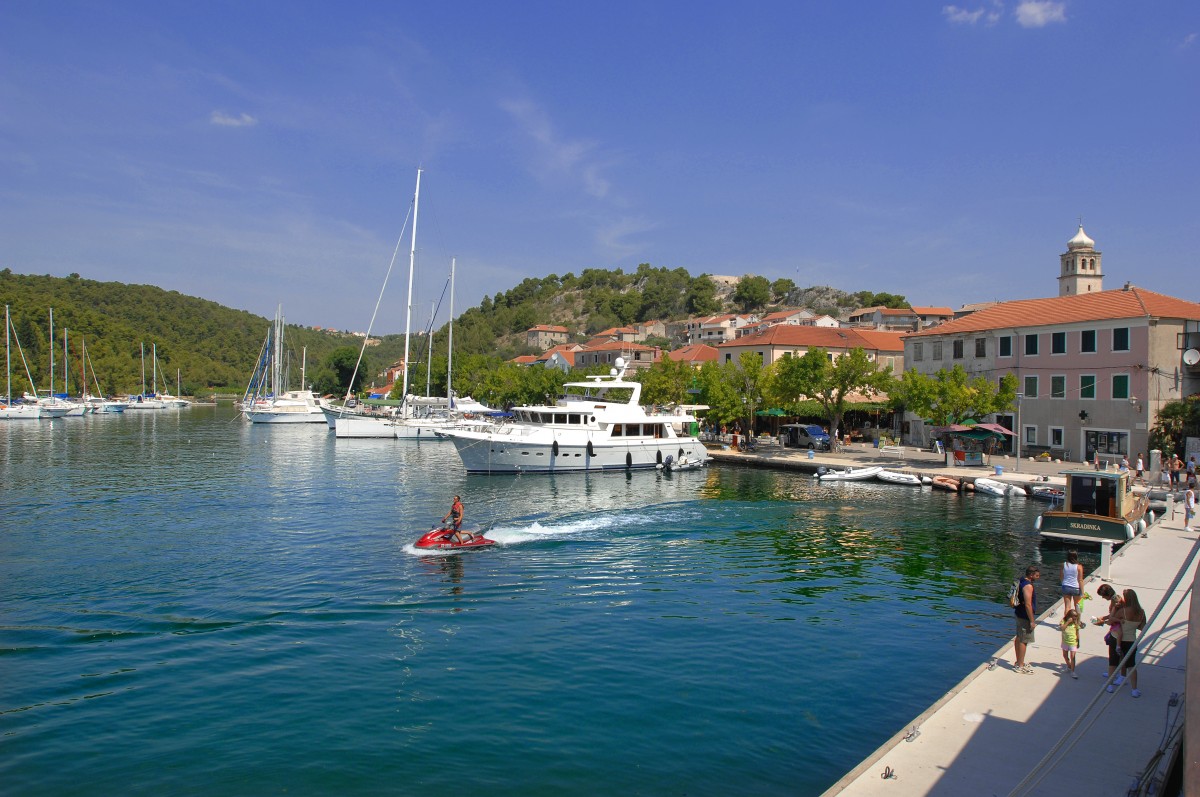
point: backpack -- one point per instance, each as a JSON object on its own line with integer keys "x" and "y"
{"x": 1014, "y": 594}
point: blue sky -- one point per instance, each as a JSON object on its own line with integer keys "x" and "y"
{"x": 265, "y": 152}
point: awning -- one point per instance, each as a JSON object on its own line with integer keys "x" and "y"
{"x": 995, "y": 427}
{"x": 774, "y": 412}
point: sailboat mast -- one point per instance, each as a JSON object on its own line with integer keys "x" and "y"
{"x": 51, "y": 351}
{"x": 412, "y": 262}
{"x": 450, "y": 342}
{"x": 66, "y": 382}
{"x": 154, "y": 365}
{"x": 143, "y": 348}
{"x": 429, "y": 356}
{"x": 7, "y": 357}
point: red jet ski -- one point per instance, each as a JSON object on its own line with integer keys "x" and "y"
{"x": 443, "y": 540}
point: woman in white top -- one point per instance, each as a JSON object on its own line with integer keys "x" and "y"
{"x": 1072, "y": 581}
{"x": 1189, "y": 508}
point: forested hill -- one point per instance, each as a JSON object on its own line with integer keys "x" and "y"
{"x": 215, "y": 347}
{"x": 211, "y": 346}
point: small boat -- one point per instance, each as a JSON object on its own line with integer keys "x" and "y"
{"x": 442, "y": 540}
{"x": 998, "y": 489}
{"x": 1098, "y": 507}
{"x": 849, "y": 474}
{"x": 1055, "y": 495}
{"x": 948, "y": 483}
{"x": 670, "y": 464}
{"x": 895, "y": 477}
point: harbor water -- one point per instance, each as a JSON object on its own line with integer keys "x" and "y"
{"x": 191, "y": 604}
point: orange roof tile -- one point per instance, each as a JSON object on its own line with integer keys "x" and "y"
{"x": 824, "y": 337}
{"x": 695, "y": 353}
{"x": 932, "y": 310}
{"x": 1111, "y": 305}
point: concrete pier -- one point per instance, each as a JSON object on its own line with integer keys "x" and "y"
{"x": 1000, "y": 732}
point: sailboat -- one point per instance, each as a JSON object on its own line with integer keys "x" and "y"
{"x": 144, "y": 400}
{"x": 52, "y": 405}
{"x": 165, "y": 397}
{"x": 19, "y": 411}
{"x": 267, "y": 398}
{"x": 97, "y": 403}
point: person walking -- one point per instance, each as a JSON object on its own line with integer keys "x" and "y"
{"x": 1070, "y": 628}
{"x": 1133, "y": 620}
{"x": 1189, "y": 508}
{"x": 1176, "y": 469}
{"x": 1139, "y": 470}
{"x": 1072, "y": 582}
{"x": 1026, "y": 615}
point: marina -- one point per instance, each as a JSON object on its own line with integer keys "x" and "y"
{"x": 243, "y": 611}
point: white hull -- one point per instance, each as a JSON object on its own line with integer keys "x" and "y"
{"x": 892, "y": 477}
{"x": 484, "y": 452}
{"x": 363, "y": 427}
{"x": 20, "y": 412}
{"x": 143, "y": 403}
{"x": 851, "y": 474}
{"x": 295, "y": 406}
{"x": 998, "y": 489}
{"x": 276, "y": 415}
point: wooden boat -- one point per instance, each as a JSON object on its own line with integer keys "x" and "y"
{"x": 948, "y": 483}
{"x": 895, "y": 477}
{"x": 849, "y": 474}
{"x": 1099, "y": 507}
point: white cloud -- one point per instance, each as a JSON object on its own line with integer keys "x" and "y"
{"x": 962, "y": 16}
{"x": 574, "y": 159}
{"x": 1040, "y": 13}
{"x": 1187, "y": 41}
{"x": 225, "y": 120}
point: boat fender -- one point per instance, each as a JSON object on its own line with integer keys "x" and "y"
{"x": 1128, "y": 532}
{"x": 628, "y": 459}
{"x": 821, "y": 471}
{"x": 658, "y": 457}
{"x": 1037, "y": 524}
{"x": 1141, "y": 526}
{"x": 591, "y": 452}
{"x": 681, "y": 453}
{"x": 668, "y": 461}
{"x": 1150, "y": 522}
{"x": 554, "y": 448}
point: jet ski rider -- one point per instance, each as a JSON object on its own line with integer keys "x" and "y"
{"x": 456, "y": 514}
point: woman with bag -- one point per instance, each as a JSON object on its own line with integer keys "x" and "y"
{"x": 1113, "y": 640}
{"x": 1133, "y": 620}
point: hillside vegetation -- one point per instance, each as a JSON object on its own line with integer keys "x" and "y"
{"x": 214, "y": 348}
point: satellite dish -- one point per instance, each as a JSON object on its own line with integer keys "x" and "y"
{"x": 1191, "y": 357}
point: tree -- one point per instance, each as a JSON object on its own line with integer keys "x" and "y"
{"x": 1177, "y": 421}
{"x": 752, "y": 293}
{"x": 953, "y": 396}
{"x": 829, "y": 382}
{"x": 338, "y": 369}
{"x": 736, "y": 391}
{"x": 702, "y": 297}
{"x": 782, "y": 288}
{"x": 666, "y": 382}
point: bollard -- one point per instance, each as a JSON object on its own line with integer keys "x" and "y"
{"x": 810, "y": 453}
{"x": 1106, "y": 547}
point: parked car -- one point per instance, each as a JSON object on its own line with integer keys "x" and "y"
{"x": 804, "y": 435}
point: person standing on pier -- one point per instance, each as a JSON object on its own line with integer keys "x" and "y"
{"x": 1026, "y": 613}
{"x": 1140, "y": 468}
{"x": 1189, "y": 508}
{"x": 1112, "y": 638}
{"x": 1070, "y": 640}
{"x": 1072, "y": 581}
{"x": 1133, "y": 620}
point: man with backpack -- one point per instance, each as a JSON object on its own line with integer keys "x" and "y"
{"x": 1024, "y": 602}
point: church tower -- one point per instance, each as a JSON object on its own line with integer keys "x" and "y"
{"x": 1080, "y": 266}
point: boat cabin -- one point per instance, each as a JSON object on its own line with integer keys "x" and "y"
{"x": 1099, "y": 506}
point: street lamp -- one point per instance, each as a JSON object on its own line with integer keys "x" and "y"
{"x": 1020, "y": 432}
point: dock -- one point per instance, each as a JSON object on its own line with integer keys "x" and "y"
{"x": 1000, "y": 732}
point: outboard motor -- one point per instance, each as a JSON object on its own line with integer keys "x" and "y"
{"x": 821, "y": 470}
{"x": 667, "y": 462}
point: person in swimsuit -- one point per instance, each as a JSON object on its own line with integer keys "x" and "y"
{"x": 456, "y": 515}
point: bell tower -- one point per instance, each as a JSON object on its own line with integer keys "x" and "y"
{"x": 1080, "y": 266}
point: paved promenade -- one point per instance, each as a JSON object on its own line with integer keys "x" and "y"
{"x": 1000, "y": 732}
